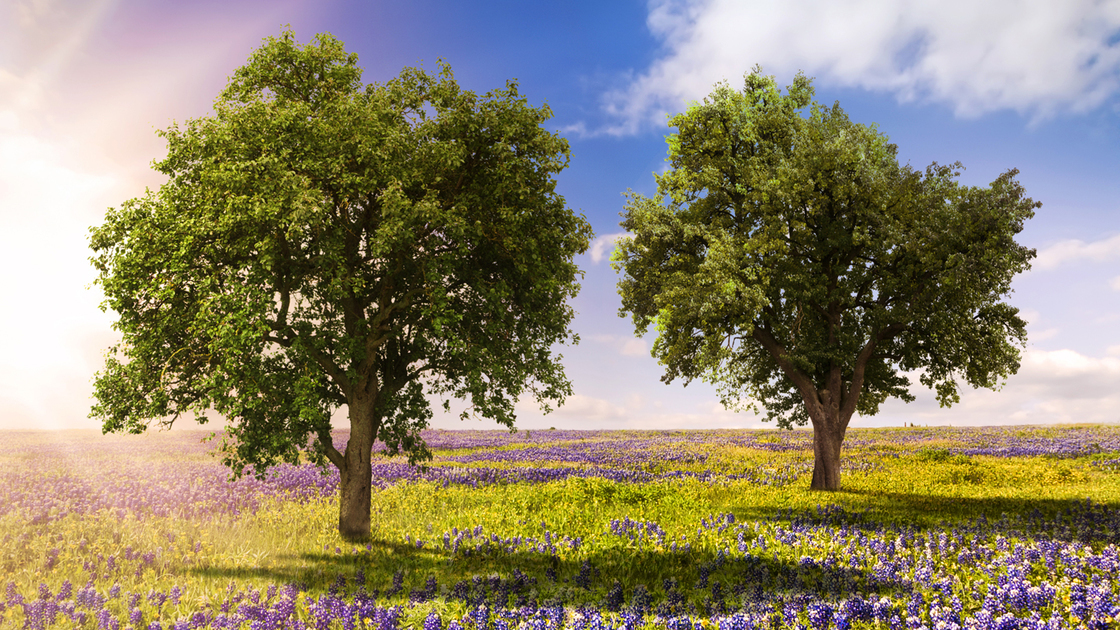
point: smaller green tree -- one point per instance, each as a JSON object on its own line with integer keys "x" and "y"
{"x": 320, "y": 243}
{"x": 790, "y": 260}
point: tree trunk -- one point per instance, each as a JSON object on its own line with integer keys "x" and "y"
{"x": 357, "y": 474}
{"x": 827, "y": 439}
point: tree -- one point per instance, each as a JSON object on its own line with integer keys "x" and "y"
{"x": 321, "y": 243}
{"x": 789, "y": 259}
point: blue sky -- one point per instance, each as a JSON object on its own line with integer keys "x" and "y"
{"x": 994, "y": 85}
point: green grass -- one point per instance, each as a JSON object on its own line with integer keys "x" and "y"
{"x": 288, "y": 541}
{"x": 296, "y": 542}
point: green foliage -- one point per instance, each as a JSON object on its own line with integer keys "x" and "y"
{"x": 941, "y": 455}
{"x": 790, "y": 259}
{"x": 321, "y": 242}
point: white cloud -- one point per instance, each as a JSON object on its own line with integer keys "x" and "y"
{"x": 1070, "y": 373}
{"x": 1038, "y": 57}
{"x": 1042, "y": 335}
{"x": 586, "y": 412}
{"x": 635, "y": 348}
{"x": 635, "y": 401}
{"x": 1034, "y": 320}
{"x": 1115, "y": 283}
{"x": 1074, "y": 250}
{"x": 588, "y": 408}
{"x": 715, "y": 417}
{"x": 626, "y": 346}
{"x": 602, "y": 246}
{"x": 1058, "y": 386}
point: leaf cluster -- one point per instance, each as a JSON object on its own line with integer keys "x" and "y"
{"x": 788, "y": 254}
{"x": 320, "y": 241}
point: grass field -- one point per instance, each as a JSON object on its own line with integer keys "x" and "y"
{"x": 937, "y": 528}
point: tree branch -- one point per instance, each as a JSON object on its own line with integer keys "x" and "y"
{"x": 324, "y": 362}
{"x": 803, "y": 383}
{"x": 327, "y": 444}
{"x": 851, "y": 395}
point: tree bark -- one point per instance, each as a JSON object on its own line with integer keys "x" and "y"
{"x": 357, "y": 473}
{"x": 827, "y": 440}
{"x": 830, "y": 408}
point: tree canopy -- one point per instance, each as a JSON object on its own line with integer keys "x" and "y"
{"x": 320, "y": 242}
{"x": 791, "y": 260}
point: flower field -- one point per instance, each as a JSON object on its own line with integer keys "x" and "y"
{"x": 993, "y": 528}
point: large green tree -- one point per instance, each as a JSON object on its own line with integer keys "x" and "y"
{"x": 789, "y": 259}
{"x": 320, "y": 243}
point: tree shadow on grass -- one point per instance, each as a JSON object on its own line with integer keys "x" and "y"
{"x": 666, "y": 582}
{"x": 645, "y": 580}
{"x": 1026, "y": 517}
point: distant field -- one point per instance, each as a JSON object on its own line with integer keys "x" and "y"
{"x": 989, "y": 528}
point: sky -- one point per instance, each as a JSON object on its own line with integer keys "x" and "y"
{"x": 995, "y": 85}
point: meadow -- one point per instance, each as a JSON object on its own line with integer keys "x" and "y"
{"x": 946, "y": 528}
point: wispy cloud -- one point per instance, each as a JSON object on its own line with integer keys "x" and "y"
{"x": 626, "y": 346}
{"x": 1075, "y": 250}
{"x": 603, "y": 245}
{"x": 635, "y": 348}
{"x": 588, "y": 408}
{"x": 1056, "y": 386}
{"x": 588, "y": 412}
{"x": 1036, "y": 57}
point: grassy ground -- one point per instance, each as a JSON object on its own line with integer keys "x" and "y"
{"x": 557, "y": 535}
